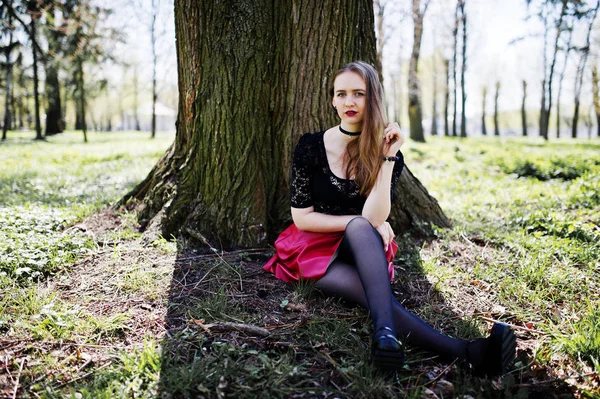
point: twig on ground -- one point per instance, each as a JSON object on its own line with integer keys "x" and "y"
{"x": 553, "y": 380}
{"x": 513, "y": 325}
{"x": 444, "y": 371}
{"x": 227, "y": 326}
{"x": 8, "y": 340}
{"x": 85, "y": 375}
{"x": 18, "y": 377}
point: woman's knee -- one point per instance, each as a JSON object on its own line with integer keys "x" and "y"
{"x": 359, "y": 223}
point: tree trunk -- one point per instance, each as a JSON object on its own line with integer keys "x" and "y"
{"x": 154, "y": 63}
{"x": 434, "y": 126}
{"x": 581, "y": 69}
{"x": 415, "y": 112}
{"x": 561, "y": 80}
{"x": 380, "y": 8}
{"x": 596, "y": 97}
{"x": 81, "y": 97}
{"x": 54, "y": 120}
{"x": 447, "y": 98}
{"x": 559, "y": 29}
{"x": 454, "y": 56}
{"x": 267, "y": 80}
{"x": 7, "y": 114}
{"x": 135, "y": 97}
{"x": 496, "y": 124}
{"x": 523, "y": 110}
{"x": 463, "y": 119}
{"x": 483, "y": 127}
{"x": 36, "y": 79}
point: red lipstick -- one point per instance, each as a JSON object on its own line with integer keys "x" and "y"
{"x": 351, "y": 113}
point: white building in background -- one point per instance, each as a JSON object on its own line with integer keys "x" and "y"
{"x": 165, "y": 118}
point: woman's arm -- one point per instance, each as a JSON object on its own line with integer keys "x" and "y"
{"x": 378, "y": 204}
{"x": 309, "y": 220}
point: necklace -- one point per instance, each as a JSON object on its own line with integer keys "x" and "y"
{"x": 349, "y": 134}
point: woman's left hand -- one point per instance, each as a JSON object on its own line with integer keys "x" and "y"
{"x": 386, "y": 233}
{"x": 393, "y": 139}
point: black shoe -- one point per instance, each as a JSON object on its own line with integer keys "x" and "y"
{"x": 387, "y": 351}
{"x": 500, "y": 352}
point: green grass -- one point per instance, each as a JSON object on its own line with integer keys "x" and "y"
{"x": 525, "y": 249}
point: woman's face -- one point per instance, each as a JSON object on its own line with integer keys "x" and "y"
{"x": 350, "y": 98}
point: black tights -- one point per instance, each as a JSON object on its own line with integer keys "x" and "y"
{"x": 359, "y": 274}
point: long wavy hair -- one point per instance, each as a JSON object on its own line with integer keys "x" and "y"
{"x": 363, "y": 155}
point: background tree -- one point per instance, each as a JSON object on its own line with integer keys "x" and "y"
{"x": 463, "y": 90}
{"x": 454, "y": 58}
{"x": 434, "y": 126}
{"x": 55, "y": 37}
{"x": 229, "y": 189}
{"x": 447, "y": 97}
{"x": 415, "y": 112}
{"x": 483, "y": 98}
{"x": 496, "y": 96}
{"x": 596, "y": 97}
{"x": 524, "y": 109}
{"x": 584, "y": 51}
{"x": 7, "y": 30}
{"x": 561, "y": 76}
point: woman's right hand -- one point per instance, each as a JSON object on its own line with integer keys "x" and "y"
{"x": 386, "y": 233}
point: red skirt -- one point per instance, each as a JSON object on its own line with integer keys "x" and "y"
{"x": 305, "y": 255}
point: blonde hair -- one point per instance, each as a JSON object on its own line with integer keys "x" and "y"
{"x": 363, "y": 155}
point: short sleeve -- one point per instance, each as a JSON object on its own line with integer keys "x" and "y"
{"x": 396, "y": 172}
{"x": 302, "y": 173}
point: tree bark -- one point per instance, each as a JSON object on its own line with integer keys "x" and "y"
{"x": 463, "y": 119}
{"x": 496, "y": 124}
{"x": 251, "y": 80}
{"x": 81, "y": 97}
{"x": 523, "y": 109}
{"x": 484, "y": 97}
{"x": 415, "y": 111}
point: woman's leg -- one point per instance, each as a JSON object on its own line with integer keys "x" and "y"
{"x": 362, "y": 247}
{"x": 360, "y": 275}
{"x": 342, "y": 280}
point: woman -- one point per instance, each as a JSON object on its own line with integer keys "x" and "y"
{"x": 342, "y": 187}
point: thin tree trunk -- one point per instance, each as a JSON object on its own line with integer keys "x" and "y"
{"x": 447, "y": 98}
{"x": 580, "y": 71}
{"x": 415, "y": 112}
{"x": 36, "y": 91}
{"x": 380, "y": 8}
{"x": 7, "y": 114}
{"x": 135, "y": 97}
{"x": 155, "y": 5}
{"x": 54, "y": 121}
{"x": 484, "y": 97}
{"x": 463, "y": 119}
{"x": 228, "y": 189}
{"x": 523, "y": 109}
{"x": 561, "y": 80}
{"x": 496, "y": 124}
{"x": 454, "y": 82}
{"x": 81, "y": 97}
{"x": 596, "y": 97}
{"x": 559, "y": 28}
{"x": 434, "y": 126}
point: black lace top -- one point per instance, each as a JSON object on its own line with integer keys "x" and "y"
{"x": 313, "y": 183}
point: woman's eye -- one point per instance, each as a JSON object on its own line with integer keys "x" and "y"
{"x": 341, "y": 94}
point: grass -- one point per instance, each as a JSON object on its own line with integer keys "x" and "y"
{"x": 89, "y": 308}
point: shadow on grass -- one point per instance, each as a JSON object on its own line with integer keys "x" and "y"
{"x": 236, "y": 331}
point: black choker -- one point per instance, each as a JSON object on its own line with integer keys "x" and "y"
{"x": 350, "y": 134}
